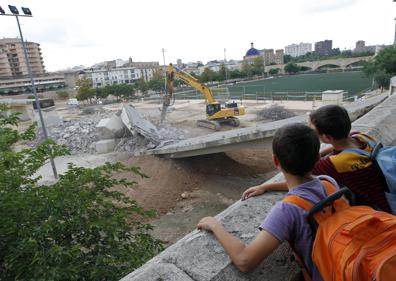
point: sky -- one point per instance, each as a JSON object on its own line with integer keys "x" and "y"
{"x": 85, "y": 32}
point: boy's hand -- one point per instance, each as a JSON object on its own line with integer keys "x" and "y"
{"x": 253, "y": 191}
{"x": 207, "y": 223}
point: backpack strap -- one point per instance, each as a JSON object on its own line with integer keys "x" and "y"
{"x": 306, "y": 205}
{"x": 365, "y": 138}
{"x": 299, "y": 202}
{"x": 319, "y": 212}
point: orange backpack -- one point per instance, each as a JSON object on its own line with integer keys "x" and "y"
{"x": 351, "y": 242}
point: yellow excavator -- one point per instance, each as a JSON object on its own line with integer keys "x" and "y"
{"x": 216, "y": 114}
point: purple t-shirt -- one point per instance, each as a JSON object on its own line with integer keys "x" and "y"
{"x": 288, "y": 222}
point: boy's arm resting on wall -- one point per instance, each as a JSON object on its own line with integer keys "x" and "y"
{"x": 245, "y": 257}
{"x": 260, "y": 189}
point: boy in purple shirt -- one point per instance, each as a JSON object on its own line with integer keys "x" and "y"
{"x": 295, "y": 152}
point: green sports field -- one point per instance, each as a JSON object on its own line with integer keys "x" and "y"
{"x": 352, "y": 82}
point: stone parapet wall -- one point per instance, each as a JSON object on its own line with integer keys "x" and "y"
{"x": 199, "y": 257}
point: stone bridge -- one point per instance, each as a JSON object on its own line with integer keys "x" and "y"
{"x": 199, "y": 257}
{"x": 342, "y": 63}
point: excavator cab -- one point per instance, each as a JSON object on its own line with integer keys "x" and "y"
{"x": 231, "y": 104}
{"x": 212, "y": 108}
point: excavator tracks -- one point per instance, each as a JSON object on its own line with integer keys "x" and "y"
{"x": 210, "y": 124}
{"x": 216, "y": 124}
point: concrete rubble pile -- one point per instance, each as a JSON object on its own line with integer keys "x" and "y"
{"x": 104, "y": 132}
{"x": 275, "y": 112}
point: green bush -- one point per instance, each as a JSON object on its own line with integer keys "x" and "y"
{"x": 79, "y": 228}
{"x": 62, "y": 95}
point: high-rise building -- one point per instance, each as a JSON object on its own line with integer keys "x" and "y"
{"x": 179, "y": 63}
{"x": 304, "y": 48}
{"x": 12, "y": 58}
{"x": 360, "y": 47}
{"x": 296, "y": 50}
{"x": 269, "y": 56}
{"x": 279, "y": 56}
{"x": 324, "y": 47}
{"x": 292, "y": 50}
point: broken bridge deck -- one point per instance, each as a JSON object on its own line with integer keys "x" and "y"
{"x": 258, "y": 136}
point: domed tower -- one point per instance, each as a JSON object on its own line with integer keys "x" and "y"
{"x": 252, "y": 51}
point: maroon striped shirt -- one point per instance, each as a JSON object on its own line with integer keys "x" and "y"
{"x": 367, "y": 184}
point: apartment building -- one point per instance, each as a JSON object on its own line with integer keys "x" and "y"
{"x": 23, "y": 85}
{"x": 269, "y": 56}
{"x": 279, "y": 56}
{"x": 324, "y": 47}
{"x": 296, "y": 50}
{"x": 12, "y": 58}
{"x": 122, "y": 75}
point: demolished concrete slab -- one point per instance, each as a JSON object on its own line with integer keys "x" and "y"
{"x": 105, "y": 146}
{"x": 136, "y": 123}
{"x": 110, "y": 128}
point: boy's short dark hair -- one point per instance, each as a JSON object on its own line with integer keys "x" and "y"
{"x": 332, "y": 120}
{"x": 297, "y": 148}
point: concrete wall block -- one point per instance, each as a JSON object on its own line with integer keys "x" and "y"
{"x": 158, "y": 271}
{"x": 109, "y": 128}
{"x": 105, "y": 146}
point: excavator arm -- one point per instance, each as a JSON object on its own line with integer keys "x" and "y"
{"x": 172, "y": 72}
{"x": 216, "y": 114}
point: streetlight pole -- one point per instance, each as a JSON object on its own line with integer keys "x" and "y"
{"x": 394, "y": 41}
{"x": 27, "y": 13}
{"x": 163, "y": 57}
{"x": 225, "y": 66}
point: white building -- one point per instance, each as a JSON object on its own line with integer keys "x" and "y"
{"x": 332, "y": 97}
{"x": 123, "y": 75}
{"x": 230, "y": 65}
{"x": 296, "y": 50}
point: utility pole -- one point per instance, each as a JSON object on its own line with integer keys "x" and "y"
{"x": 163, "y": 57}
{"x": 394, "y": 41}
{"x": 28, "y": 13}
{"x": 225, "y": 67}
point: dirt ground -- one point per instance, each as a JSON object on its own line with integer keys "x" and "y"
{"x": 182, "y": 191}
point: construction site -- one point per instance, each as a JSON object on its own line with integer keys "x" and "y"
{"x": 199, "y": 156}
{"x": 198, "y": 161}
{"x": 181, "y": 189}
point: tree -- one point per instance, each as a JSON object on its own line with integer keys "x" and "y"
{"x": 142, "y": 86}
{"x": 236, "y": 74}
{"x": 62, "y": 95}
{"x": 79, "y": 228}
{"x": 273, "y": 71}
{"x": 287, "y": 58}
{"x": 247, "y": 69}
{"x": 157, "y": 83}
{"x": 85, "y": 90}
{"x": 382, "y": 67}
{"x": 222, "y": 75}
{"x": 258, "y": 66}
{"x": 207, "y": 75}
{"x": 382, "y": 79}
{"x": 101, "y": 93}
{"x": 292, "y": 68}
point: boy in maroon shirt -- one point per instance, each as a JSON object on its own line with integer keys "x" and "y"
{"x": 353, "y": 170}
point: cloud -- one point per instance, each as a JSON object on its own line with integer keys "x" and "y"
{"x": 61, "y": 33}
{"x": 324, "y": 6}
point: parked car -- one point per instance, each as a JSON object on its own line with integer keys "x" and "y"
{"x": 72, "y": 102}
